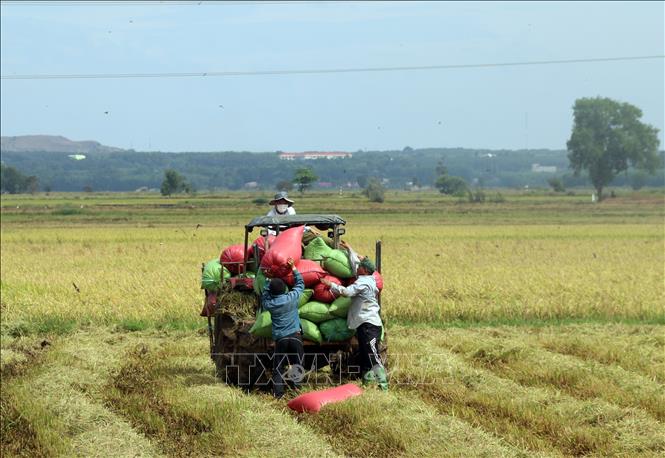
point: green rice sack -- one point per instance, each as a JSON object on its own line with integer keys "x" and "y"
{"x": 308, "y": 236}
{"x": 335, "y": 330}
{"x": 317, "y": 250}
{"x": 340, "y": 306}
{"x": 262, "y": 327}
{"x": 337, "y": 263}
{"x": 305, "y": 297}
{"x": 310, "y": 331}
{"x": 315, "y": 312}
{"x": 259, "y": 282}
{"x": 211, "y": 277}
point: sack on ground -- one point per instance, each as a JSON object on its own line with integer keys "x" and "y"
{"x": 310, "y": 331}
{"x": 315, "y": 312}
{"x": 335, "y": 330}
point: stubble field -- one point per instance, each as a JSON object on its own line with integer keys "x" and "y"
{"x": 532, "y": 326}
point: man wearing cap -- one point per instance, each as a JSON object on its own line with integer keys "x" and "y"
{"x": 286, "y": 329}
{"x": 282, "y": 205}
{"x": 364, "y": 317}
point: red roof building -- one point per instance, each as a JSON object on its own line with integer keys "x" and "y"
{"x": 308, "y": 155}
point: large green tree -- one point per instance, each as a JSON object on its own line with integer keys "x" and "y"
{"x": 607, "y": 138}
{"x": 173, "y": 183}
{"x": 304, "y": 178}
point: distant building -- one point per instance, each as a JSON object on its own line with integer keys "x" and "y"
{"x": 251, "y": 185}
{"x": 543, "y": 168}
{"x": 309, "y": 155}
{"x": 76, "y": 157}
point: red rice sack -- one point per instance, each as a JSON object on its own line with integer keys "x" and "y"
{"x": 311, "y": 272}
{"x": 232, "y": 258}
{"x": 260, "y": 243}
{"x": 322, "y": 293}
{"x": 314, "y": 400}
{"x": 286, "y": 245}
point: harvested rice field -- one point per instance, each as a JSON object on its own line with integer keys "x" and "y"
{"x": 534, "y": 326}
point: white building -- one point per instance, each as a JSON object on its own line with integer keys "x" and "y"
{"x": 543, "y": 168}
{"x": 310, "y": 155}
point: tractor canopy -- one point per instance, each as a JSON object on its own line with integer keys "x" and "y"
{"x": 321, "y": 222}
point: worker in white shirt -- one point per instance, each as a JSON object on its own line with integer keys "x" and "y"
{"x": 282, "y": 205}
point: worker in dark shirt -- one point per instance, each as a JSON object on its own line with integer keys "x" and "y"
{"x": 286, "y": 329}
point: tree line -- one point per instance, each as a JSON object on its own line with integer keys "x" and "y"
{"x": 14, "y": 182}
{"x": 608, "y": 145}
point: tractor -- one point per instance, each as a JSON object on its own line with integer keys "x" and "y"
{"x": 245, "y": 360}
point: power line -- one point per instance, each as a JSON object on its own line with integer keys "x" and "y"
{"x": 160, "y": 3}
{"x": 320, "y": 70}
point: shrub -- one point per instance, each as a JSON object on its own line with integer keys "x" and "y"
{"x": 497, "y": 198}
{"x": 556, "y": 184}
{"x": 476, "y": 197}
{"x": 374, "y": 191}
{"x": 451, "y": 185}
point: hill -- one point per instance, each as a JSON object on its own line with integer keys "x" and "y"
{"x": 52, "y": 144}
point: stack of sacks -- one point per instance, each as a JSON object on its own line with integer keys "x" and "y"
{"x": 232, "y": 256}
{"x": 330, "y": 311}
{"x": 262, "y": 327}
{"x": 322, "y": 315}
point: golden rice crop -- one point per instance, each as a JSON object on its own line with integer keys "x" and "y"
{"x": 432, "y": 273}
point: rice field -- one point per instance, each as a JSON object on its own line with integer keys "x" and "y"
{"x": 530, "y": 327}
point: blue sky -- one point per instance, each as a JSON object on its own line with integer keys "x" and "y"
{"x": 495, "y": 108}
